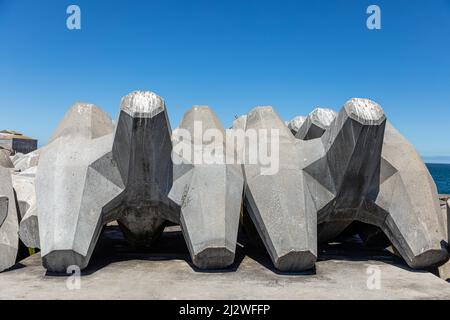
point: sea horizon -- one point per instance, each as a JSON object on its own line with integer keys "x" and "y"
{"x": 440, "y": 172}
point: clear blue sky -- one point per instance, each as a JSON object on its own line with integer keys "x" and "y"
{"x": 229, "y": 54}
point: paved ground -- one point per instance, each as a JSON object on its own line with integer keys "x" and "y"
{"x": 164, "y": 272}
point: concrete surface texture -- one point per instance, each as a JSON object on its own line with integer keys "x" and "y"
{"x": 378, "y": 178}
{"x": 315, "y": 124}
{"x": 26, "y": 161}
{"x": 280, "y": 204}
{"x": 345, "y": 173}
{"x": 89, "y": 175}
{"x": 5, "y": 160}
{"x": 24, "y": 187}
{"x": 76, "y": 179}
{"x": 414, "y": 223}
{"x": 29, "y": 228}
{"x": 208, "y": 192}
{"x": 9, "y": 224}
{"x": 117, "y": 271}
{"x": 4, "y": 202}
{"x": 25, "y": 192}
{"x": 142, "y": 149}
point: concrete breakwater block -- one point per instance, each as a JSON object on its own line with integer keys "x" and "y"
{"x": 209, "y": 191}
{"x": 142, "y": 150}
{"x": 280, "y": 203}
{"x": 376, "y": 177}
{"x": 9, "y": 224}
{"x": 337, "y": 169}
{"x": 315, "y": 124}
{"x": 295, "y": 124}
{"x": 76, "y": 179}
{"x": 90, "y": 175}
{"x": 24, "y": 187}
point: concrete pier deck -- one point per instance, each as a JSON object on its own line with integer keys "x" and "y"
{"x": 165, "y": 271}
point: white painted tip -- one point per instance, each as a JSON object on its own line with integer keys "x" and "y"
{"x": 323, "y": 116}
{"x": 142, "y": 104}
{"x": 365, "y": 109}
{"x": 296, "y": 123}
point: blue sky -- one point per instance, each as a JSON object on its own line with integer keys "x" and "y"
{"x": 231, "y": 55}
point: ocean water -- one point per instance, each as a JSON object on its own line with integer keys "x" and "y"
{"x": 441, "y": 176}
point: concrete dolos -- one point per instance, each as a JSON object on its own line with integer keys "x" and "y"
{"x": 142, "y": 150}
{"x": 280, "y": 203}
{"x": 315, "y": 124}
{"x": 208, "y": 190}
{"x": 295, "y": 124}
{"x": 88, "y": 176}
{"x": 76, "y": 180}
{"x": 24, "y": 186}
{"x": 375, "y": 176}
{"x": 351, "y": 167}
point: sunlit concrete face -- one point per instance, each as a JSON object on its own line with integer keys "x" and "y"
{"x": 358, "y": 168}
{"x": 9, "y": 225}
{"x": 74, "y": 182}
{"x": 90, "y": 174}
{"x": 142, "y": 149}
{"x": 209, "y": 193}
{"x": 280, "y": 204}
{"x": 377, "y": 177}
{"x": 314, "y": 125}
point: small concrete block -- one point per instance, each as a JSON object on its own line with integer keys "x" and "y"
{"x": 295, "y": 124}
{"x": 9, "y": 224}
{"x": 317, "y": 122}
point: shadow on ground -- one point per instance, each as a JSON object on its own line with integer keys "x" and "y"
{"x": 112, "y": 247}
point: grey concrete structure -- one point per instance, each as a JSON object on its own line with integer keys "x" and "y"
{"x": 88, "y": 176}
{"x": 142, "y": 150}
{"x": 30, "y": 172}
{"x": 315, "y": 124}
{"x": 338, "y": 169}
{"x": 377, "y": 178}
{"x": 117, "y": 273}
{"x": 25, "y": 192}
{"x": 24, "y": 187}
{"x": 5, "y": 160}
{"x": 75, "y": 181}
{"x": 281, "y": 204}
{"x": 27, "y": 161}
{"x": 209, "y": 192}
{"x": 29, "y": 228}
{"x": 295, "y": 124}
{"x": 9, "y": 224}
{"x": 4, "y": 202}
